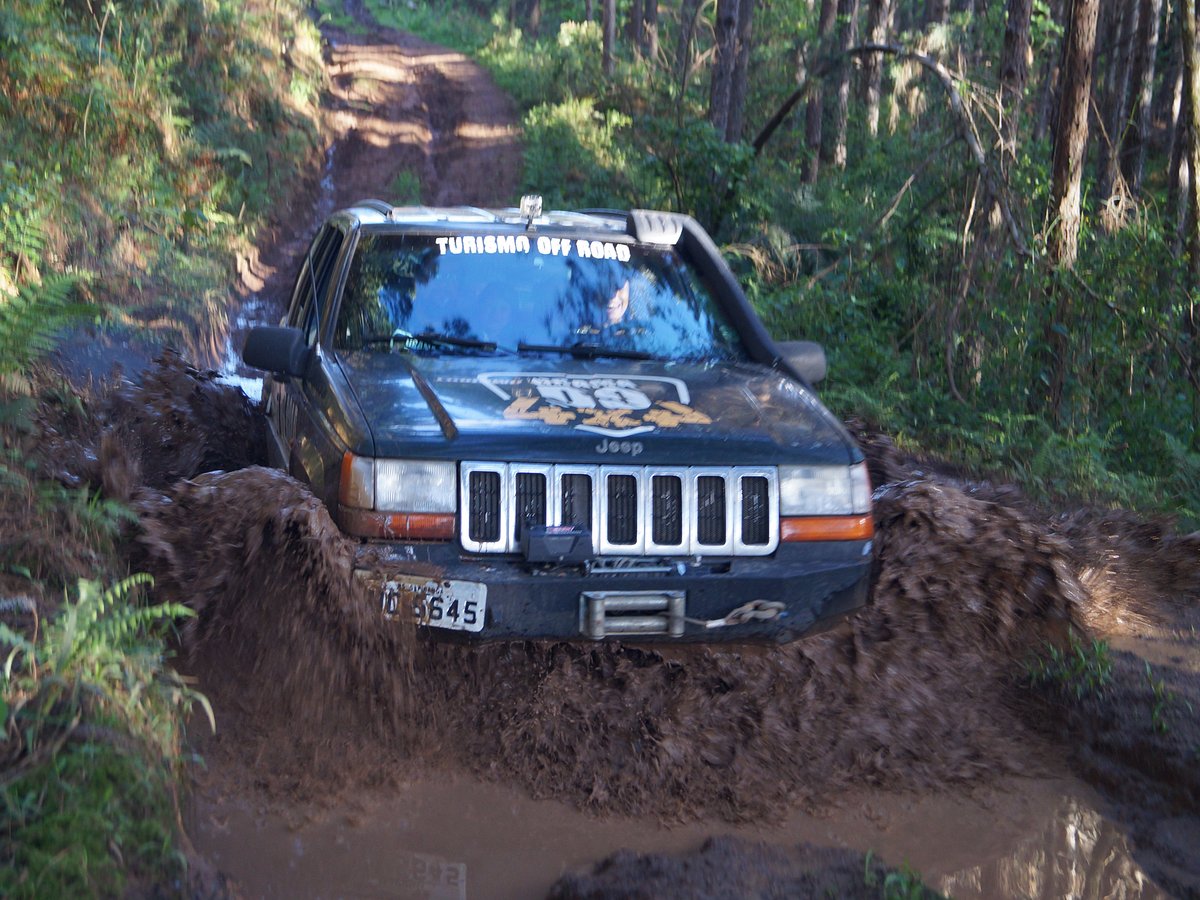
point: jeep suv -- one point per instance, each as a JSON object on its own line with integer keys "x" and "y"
{"x": 563, "y": 425}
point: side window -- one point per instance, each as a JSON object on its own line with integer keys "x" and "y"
{"x": 324, "y": 263}
{"x": 302, "y": 295}
{"x": 316, "y": 269}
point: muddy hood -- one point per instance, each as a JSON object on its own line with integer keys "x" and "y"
{"x": 564, "y": 410}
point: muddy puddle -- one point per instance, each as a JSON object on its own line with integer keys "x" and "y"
{"x": 450, "y": 838}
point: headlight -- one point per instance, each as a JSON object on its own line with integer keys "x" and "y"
{"x": 824, "y": 490}
{"x": 399, "y": 485}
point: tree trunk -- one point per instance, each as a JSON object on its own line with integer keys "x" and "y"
{"x": 1070, "y": 144}
{"x": 937, "y": 12}
{"x": 1051, "y": 72}
{"x": 609, "y": 29}
{"x": 1117, "y": 99}
{"x": 848, "y": 14}
{"x": 689, "y": 12}
{"x": 650, "y": 31}
{"x": 1014, "y": 75}
{"x": 741, "y": 72}
{"x": 589, "y": 11}
{"x": 1133, "y": 151}
{"x": 635, "y": 23}
{"x": 815, "y": 113}
{"x": 1191, "y": 99}
{"x": 1070, "y": 140}
{"x": 721, "y": 87}
{"x": 879, "y": 14}
{"x": 1177, "y": 172}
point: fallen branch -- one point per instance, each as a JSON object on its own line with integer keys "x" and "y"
{"x": 966, "y": 129}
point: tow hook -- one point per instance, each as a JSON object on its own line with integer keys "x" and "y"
{"x": 754, "y": 611}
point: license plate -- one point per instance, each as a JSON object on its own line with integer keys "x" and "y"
{"x": 456, "y": 605}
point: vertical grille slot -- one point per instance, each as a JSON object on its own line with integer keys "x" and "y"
{"x": 485, "y": 512}
{"x": 756, "y": 510}
{"x": 622, "y": 509}
{"x": 710, "y": 510}
{"x": 576, "y": 500}
{"x": 531, "y": 501}
{"x": 666, "y": 512}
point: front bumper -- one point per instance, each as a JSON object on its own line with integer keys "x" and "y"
{"x": 807, "y": 587}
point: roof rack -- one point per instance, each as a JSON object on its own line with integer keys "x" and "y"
{"x": 378, "y": 205}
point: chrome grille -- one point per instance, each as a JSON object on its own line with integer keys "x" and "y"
{"x": 630, "y": 510}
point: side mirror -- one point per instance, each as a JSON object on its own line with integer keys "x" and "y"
{"x": 279, "y": 350}
{"x": 806, "y": 357}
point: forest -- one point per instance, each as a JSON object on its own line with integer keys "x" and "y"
{"x": 982, "y": 209}
{"x": 987, "y": 211}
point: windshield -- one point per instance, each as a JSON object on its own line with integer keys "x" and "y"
{"x": 529, "y": 294}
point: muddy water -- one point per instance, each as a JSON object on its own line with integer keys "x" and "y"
{"x": 447, "y": 836}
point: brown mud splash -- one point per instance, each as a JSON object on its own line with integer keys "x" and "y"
{"x": 908, "y": 693}
{"x": 919, "y": 690}
{"x": 175, "y": 422}
{"x": 298, "y": 661}
{"x": 903, "y": 695}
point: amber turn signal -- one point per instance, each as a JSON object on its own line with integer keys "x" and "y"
{"x": 398, "y": 526}
{"x": 826, "y": 528}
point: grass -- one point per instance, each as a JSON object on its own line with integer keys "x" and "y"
{"x": 897, "y": 884}
{"x": 89, "y": 823}
{"x": 91, "y": 718}
{"x": 1081, "y": 669}
{"x": 1164, "y": 700}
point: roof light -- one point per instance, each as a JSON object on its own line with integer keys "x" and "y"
{"x": 531, "y": 206}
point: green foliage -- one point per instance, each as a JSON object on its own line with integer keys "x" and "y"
{"x": 899, "y": 884}
{"x": 29, "y": 324}
{"x": 148, "y": 135}
{"x": 90, "y": 714}
{"x": 1164, "y": 700}
{"x": 1080, "y": 669}
{"x": 572, "y": 147}
{"x": 85, "y": 825}
{"x": 453, "y": 25}
{"x": 141, "y": 146}
{"x": 405, "y": 189}
{"x": 99, "y": 656}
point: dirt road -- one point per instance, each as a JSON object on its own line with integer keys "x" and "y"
{"x": 401, "y": 113}
{"x": 350, "y": 761}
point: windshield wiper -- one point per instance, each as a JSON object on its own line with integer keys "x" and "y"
{"x": 585, "y": 351}
{"x": 429, "y": 337}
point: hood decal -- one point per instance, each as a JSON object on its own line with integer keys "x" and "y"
{"x": 621, "y": 406}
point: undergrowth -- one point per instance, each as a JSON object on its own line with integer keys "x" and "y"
{"x": 91, "y": 717}
{"x": 142, "y": 147}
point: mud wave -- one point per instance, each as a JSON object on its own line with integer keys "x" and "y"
{"x": 920, "y": 689}
{"x": 908, "y": 692}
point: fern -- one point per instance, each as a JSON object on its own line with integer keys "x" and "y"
{"x": 30, "y": 323}
{"x": 101, "y": 656}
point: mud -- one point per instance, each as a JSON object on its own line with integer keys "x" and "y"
{"x": 730, "y": 867}
{"x": 926, "y": 689}
{"x": 920, "y": 690}
{"x": 911, "y": 693}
